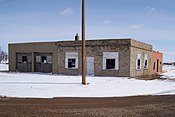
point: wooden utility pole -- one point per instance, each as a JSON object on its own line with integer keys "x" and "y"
{"x": 83, "y": 45}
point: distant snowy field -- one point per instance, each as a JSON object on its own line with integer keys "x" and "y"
{"x": 169, "y": 72}
{"x": 48, "y": 86}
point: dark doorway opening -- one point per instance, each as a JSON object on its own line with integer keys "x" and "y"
{"x": 157, "y": 65}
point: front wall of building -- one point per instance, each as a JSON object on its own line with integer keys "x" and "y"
{"x": 118, "y": 56}
{"x": 96, "y": 53}
{"x": 123, "y": 61}
{"x": 32, "y": 48}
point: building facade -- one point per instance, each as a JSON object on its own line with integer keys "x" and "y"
{"x": 157, "y": 61}
{"x": 110, "y": 57}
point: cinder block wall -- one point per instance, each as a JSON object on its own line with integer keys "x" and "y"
{"x": 95, "y": 48}
{"x": 49, "y": 47}
{"x": 127, "y": 48}
{"x": 140, "y": 48}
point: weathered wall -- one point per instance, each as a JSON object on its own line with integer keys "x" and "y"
{"x": 157, "y": 62}
{"x": 127, "y": 49}
{"x": 140, "y": 48}
{"x": 95, "y": 49}
{"x": 48, "y": 47}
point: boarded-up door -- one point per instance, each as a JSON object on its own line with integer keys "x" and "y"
{"x": 90, "y": 66}
{"x": 24, "y": 62}
{"x": 43, "y": 62}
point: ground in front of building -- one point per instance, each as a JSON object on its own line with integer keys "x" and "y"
{"x": 146, "y": 106}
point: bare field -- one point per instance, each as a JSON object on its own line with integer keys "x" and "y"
{"x": 142, "y": 106}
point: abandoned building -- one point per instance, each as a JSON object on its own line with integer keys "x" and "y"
{"x": 110, "y": 57}
{"x": 157, "y": 58}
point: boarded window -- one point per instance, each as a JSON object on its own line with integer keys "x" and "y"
{"x": 38, "y": 59}
{"x": 110, "y": 63}
{"x": 49, "y": 59}
{"x": 24, "y": 59}
{"x": 71, "y": 63}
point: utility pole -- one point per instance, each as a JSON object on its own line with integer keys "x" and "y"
{"x": 83, "y": 45}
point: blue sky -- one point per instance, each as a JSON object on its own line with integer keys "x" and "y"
{"x": 150, "y": 21}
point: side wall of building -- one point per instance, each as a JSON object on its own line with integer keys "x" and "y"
{"x": 143, "y": 52}
{"x": 157, "y": 62}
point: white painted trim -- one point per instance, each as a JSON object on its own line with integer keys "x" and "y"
{"x": 111, "y": 55}
{"x": 71, "y": 55}
{"x": 139, "y": 56}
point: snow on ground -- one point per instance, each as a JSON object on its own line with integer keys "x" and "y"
{"x": 3, "y": 67}
{"x": 48, "y": 86}
{"x": 169, "y": 71}
{"x": 168, "y": 68}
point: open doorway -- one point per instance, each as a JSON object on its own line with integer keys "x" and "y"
{"x": 157, "y": 65}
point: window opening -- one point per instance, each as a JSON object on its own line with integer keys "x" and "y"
{"x": 110, "y": 63}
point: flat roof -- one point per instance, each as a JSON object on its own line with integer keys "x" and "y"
{"x": 129, "y": 41}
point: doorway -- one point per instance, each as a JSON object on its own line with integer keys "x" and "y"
{"x": 90, "y": 66}
{"x": 157, "y": 65}
{"x": 43, "y": 62}
{"x": 24, "y": 62}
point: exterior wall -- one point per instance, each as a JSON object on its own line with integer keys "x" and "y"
{"x": 157, "y": 62}
{"x": 32, "y": 48}
{"x": 126, "y": 48}
{"x": 95, "y": 49}
{"x": 140, "y": 48}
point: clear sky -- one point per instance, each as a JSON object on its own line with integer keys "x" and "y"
{"x": 150, "y": 21}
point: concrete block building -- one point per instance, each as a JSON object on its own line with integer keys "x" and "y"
{"x": 108, "y": 57}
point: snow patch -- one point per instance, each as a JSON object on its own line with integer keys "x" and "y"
{"x": 48, "y": 86}
{"x": 169, "y": 71}
{"x": 4, "y": 67}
